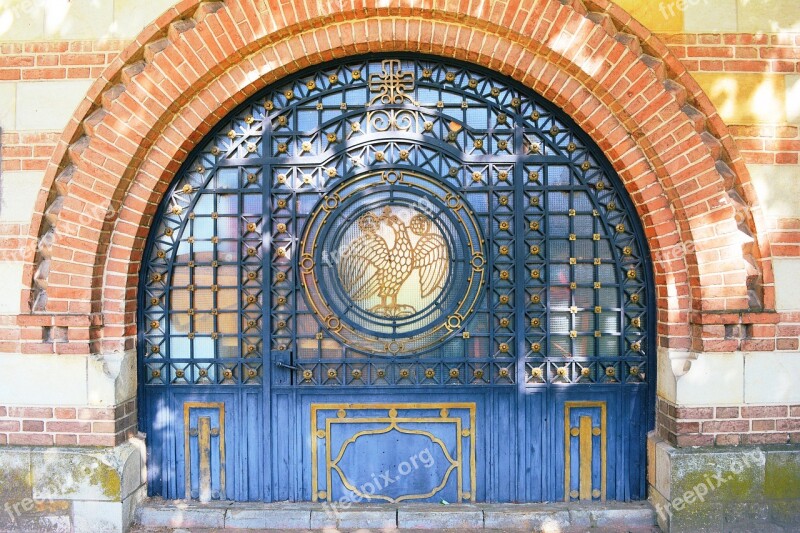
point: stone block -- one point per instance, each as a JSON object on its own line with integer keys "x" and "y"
{"x": 431, "y": 516}
{"x": 131, "y": 503}
{"x": 15, "y": 484}
{"x": 704, "y": 518}
{"x": 707, "y": 485}
{"x": 743, "y": 512}
{"x": 633, "y": 515}
{"x": 541, "y": 518}
{"x": 111, "y": 378}
{"x": 18, "y": 192}
{"x": 702, "y": 16}
{"x": 97, "y": 517}
{"x": 768, "y": 377}
{"x": 775, "y": 16}
{"x": 130, "y": 456}
{"x": 793, "y": 98}
{"x": 78, "y": 474}
{"x": 664, "y": 17}
{"x": 777, "y": 187}
{"x": 727, "y": 475}
{"x": 744, "y": 98}
{"x": 22, "y": 21}
{"x": 130, "y": 18}
{"x": 38, "y": 110}
{"x": 47, "y": 380}
{"x": 787, "y": 294}
{"x": 50, "y": 523}
{"x": 659, "y": 503}
{"x": 181, "y": 515}
{"x": 355, "y": 517}
{"x": 8, "y": 104}
{"x": 262, "y": 516}
{"x": 663, "y": 466}
{"x": 782, "y": 475}
{"x": 11, "y": 272}
{"x": 712, "y": 379}
{"x": 79, "y": 20}
{"x": 786, "y": 513}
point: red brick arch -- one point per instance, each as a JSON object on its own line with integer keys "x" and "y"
{"x": 198, "y": 61}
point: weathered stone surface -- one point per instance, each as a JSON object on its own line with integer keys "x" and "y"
{"x": 634, "y": 515}
{"x": 76, "y": 474}
{"x": 369, "y": 517}
{"x": 52, "y": 523}
{"x": 111, "y": 378}
{"x": 726, "y": 475}
{"x": 131, "y": 503}
{"x": 782, "y": 475}
{"x": 659, "y": 503}
{"x": 131, "y": 456}
{"x": 544, "y": 517}
{"x": 275, "y": 516}
{"x": 15, "y": 479}
{"x": 786, "y": 513}
{"x": 105, "y": 474}
{"x": 727, "y": 489}
{"x": 428, "y": 516}
{"x": 97, "y": 517}
{"x": 741, "y": 512}
{"x": 181, "y": 515}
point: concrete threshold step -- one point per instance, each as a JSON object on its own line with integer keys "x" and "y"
{"x": 545, "y": 517}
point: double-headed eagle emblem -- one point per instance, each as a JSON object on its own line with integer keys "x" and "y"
{"x": 369, "y": 267}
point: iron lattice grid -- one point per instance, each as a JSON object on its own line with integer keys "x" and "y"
{"x": 567, "y": 297}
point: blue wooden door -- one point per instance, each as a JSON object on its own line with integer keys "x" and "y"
{"x": 395, "y": 279}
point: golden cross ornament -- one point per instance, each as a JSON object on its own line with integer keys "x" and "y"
{"x": 392, "y": 84}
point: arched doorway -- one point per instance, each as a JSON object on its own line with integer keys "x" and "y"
{"x": 397, "y": 279}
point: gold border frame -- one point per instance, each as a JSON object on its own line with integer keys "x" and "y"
{"x": 568, "y": 406}
{"x": 330, "y": 462}
{"x": 187, "y": 407}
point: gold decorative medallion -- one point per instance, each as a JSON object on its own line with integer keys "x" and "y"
{"x": 398, "y": 260}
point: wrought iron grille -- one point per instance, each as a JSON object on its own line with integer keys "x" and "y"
{"x": 399, "y": 221}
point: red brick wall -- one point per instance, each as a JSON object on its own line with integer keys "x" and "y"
{"x": 728, "y": 426}
{"x": 737, "y": 52}
{"x": 106, "y": 173}
{"x": 67, "y": 426}
{"x": 57, "y": 60}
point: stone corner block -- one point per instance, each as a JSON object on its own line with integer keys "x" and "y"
{"x": 97, "y": 474}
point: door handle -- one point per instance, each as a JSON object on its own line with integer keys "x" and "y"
{"x": 281, "y": 364}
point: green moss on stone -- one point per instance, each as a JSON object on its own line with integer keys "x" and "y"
{"x": 108, "y": 479}
{"x": 74, "y": 474}
{"x": 737, "y": 487}
{"x": 782, "y": 480}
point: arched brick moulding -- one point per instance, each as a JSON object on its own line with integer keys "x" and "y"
{"x": 198, "y": 61}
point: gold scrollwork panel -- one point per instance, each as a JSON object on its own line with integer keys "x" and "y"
{"x": 448, "y": 427}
